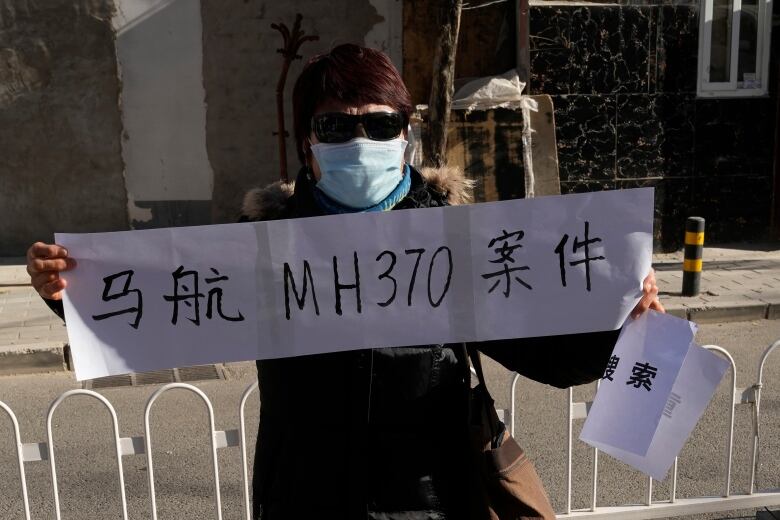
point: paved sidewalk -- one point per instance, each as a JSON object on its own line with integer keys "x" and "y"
{"x": 738, "y": 283}
{"x": 32, "y": 338}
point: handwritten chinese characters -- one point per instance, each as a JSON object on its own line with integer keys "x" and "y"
{"x": 505, "y": 257}
{"x": 585, "y": 244}
{"x": 108, "y": 282}
{"x": 511, "y": 241}
{"x": 611, "y": 367}
{"x": 190, "y": 297}
{"x": 642, "y": 374}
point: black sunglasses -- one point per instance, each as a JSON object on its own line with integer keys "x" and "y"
{"x": 338, "y": 127}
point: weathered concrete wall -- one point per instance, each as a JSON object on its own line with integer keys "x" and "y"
{"x": 241, "y": 68}
{"x": 60, "y": 161}
{"x": 190, "y": 106}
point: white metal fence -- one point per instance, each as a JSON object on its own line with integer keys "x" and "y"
{"x": 127, "y": 446}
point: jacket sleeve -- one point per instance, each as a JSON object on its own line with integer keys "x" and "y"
{"x": 56, "y": 307}
{"x": 561, "y": 361}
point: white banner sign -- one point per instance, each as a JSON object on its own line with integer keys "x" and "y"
{"x": 154, "y": 299}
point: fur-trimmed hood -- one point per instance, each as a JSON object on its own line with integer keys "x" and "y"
{"x": 269, "y": 203}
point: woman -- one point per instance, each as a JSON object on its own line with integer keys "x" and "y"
{"x": 376, "y": 433}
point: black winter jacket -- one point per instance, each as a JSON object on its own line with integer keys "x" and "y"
{"x": 381, "y": 433}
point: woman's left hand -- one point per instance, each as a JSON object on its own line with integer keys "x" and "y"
{"x": 649, "y": 297}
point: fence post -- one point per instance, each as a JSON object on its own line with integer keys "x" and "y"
{"x": 117, "y": 446}
{"x": 19, "y": 457}
{"x": 147, "y": 433}
{"x": 757, "y": 416}
{"x": 730, "y": 450}
{"x": 242, "y": 436}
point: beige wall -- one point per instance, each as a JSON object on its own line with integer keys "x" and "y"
{"x": 241, "y": 68}
{"x": 78, "y": 153}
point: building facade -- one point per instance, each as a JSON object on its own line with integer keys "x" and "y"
{"x": 633, "y": 106}
{"x": 149, "y": 113}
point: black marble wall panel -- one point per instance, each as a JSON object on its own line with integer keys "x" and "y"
{"x": 673, "y": 204}
{"x": 774, "y": 54}
{"x": 632, "y": 73}
{"x": 675, "y": 56}
{"x": 611, "y": 49}
{"x": 623, "y": 80}
{"x": 590, "y": 49}
{"x": 735, "y": 136}
{"x": 586, "y": 186}
{"x": 736, "y": 208}
{"x": 594, "y": 36}
{"x": 655, "y": 135}
{"x": 551, "y": 50}
{"x": 585, "y": 131}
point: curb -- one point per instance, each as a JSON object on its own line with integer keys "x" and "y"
{"x": 55, "y": 357}
{"x": 35, "y": 359}
{"x": 13, "y": 273}
{"x": 725, "y": 314}
{"x": 747, "y": 312}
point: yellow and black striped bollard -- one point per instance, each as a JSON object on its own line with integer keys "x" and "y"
{"x": 694, "y": 245}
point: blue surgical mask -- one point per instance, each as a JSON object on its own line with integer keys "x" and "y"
{"x": 359, "y": 173}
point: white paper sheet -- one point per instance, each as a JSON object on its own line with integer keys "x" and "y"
{"x": 698, "y": 379}
{"x": 630, "y": 401}
{"x": 468, "y": 273}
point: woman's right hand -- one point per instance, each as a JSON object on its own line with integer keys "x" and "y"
{"x": 44, "y": 264}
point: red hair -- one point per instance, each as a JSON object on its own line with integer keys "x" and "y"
{"x": 351, "y": 74}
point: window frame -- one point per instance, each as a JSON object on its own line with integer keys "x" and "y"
{"x": 707, "y": 89}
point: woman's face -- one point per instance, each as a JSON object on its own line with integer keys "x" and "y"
{"x": 331, "y": 105}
